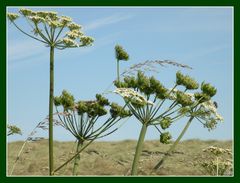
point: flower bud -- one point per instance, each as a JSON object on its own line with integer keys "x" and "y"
{"x": 12, "y": 16}
{"x": 208, "y": 89}
{"x": 165, "y": 123}
{"x": 120, "y": 53}
{"x": 184, "y": 99}
{"x": 186, "y": 81}
{"x": 165, "y": 137}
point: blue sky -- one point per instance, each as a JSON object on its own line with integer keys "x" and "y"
{"x": 199, "y": 37}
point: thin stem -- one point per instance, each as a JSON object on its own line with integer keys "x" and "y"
{"x": 77, "y": 158}
{"x": 175, "y": 143}
{"x": 139, "y": 149}
{"x": 51, "y": 98}
{"x": 118, "y": 76}
{"x": 28, "y": 34}
{"x": 58, "y": 34}
{"x": 76, "y": 154}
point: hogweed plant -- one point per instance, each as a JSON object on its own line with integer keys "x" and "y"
{"x": 55, "y": 32}
{"x": 218, "y": 161}
{"x": 155, "y": 105}
{"x": 202, "y": 108}
{"x": 88, "y": 120}
{"x": 145, "y": 96}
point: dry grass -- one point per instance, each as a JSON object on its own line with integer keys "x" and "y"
{"x": 111, "y": 158}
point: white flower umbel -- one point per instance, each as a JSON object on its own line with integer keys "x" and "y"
{"x": 209, "y": 106}
{"x": 133, "y": 96}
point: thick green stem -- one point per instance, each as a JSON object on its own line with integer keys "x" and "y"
{"x": 139, "y": 149}
{"x": 77, "y": 158}
{"x": 118, "y": 75}
{"x": 51, "y": 95}
{"x": 174, "y": 144}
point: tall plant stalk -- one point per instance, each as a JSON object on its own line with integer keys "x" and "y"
{"x": 138, "y": 149}
{"x": 51, "y": 101}
{"x": 77, "y": 158}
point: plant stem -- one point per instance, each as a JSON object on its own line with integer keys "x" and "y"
{"x": 217, "y": 166}
{"x": 174, "y": 144}
{"x": 118, "y": 76}
{"x": 51, "y": 95}
{"x": 77, "y": 158}
{"x": 139, "y": 149}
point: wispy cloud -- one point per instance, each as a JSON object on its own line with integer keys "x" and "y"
{"x": 106, "y": 21}
{"x": 205, "y": 52}
{"x": 20, "y": 50}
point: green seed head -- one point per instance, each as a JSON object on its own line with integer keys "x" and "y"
{"x": 165, "y": 137}
{"x": 102, "y": 100}
{"x": 201, "y": 97}
{"x": 120, "y": 53}
{"x": 186, "y": 81}
{"x": 130, "y": 82}
{"x": 82, "y": 107}
{"x": 184, "y": 99}
{"x": 208, "y": 89}
{"x": 118, "y": 111}
{"x": 57, "y": 101}
{"x": 67, "y": 100}
{"x": 165, "y": 123}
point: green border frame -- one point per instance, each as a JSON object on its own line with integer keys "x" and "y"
{"x": 3, "y": 110}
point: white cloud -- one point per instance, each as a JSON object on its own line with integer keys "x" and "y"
{"x": 24, "y": 49}
{"x": 106, "y": 21}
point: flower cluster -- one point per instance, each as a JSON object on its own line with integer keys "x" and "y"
{"x": 121, "y": 54}
{"x": 117, "y": 110}
{"x": 132, "y": 96}
{"x": 165, "y": 123}
{"x": 165, "y": 137}
{"x": 186, "y": 81}
{"x": 92, "y": 108}
{"x": 12, "y": 16}
{"x": 146, "y": 85}
{"x": 50, "y": 22}
{"x": 183, "y": 99}
{"x": 208, "y": 89}
{"x": 217, "y": 161}
{"x": 36, "y": 19}
{"x": 66, "y": 100}
{"x": 209, "y": 106}
{"x": 69, "y": 42}
{"x": 217, "y": 150}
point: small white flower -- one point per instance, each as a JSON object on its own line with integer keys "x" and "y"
{"x": 65, "y": 20}
{"x": 132, "y": 95}
{"x": 74, "y": 26}
{"x": 69, "y": 42}
{"x": 209, "y": 105}
{"x": 12, "y": 16}
{"x": 36, "y": 19}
